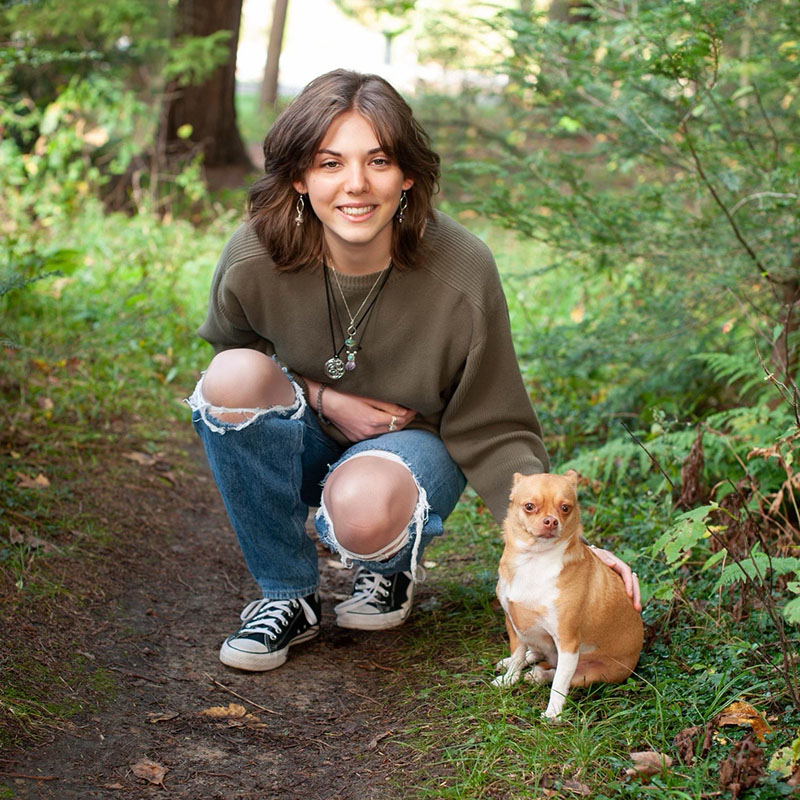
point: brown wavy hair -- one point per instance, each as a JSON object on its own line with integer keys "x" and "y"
{"x": 293, "y": 141}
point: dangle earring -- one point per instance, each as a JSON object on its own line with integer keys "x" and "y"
{"x": 299, "y": 208}
{"x": 401, "y": 211}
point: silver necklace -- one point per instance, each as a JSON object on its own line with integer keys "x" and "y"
{"x": 334, "y": 367}
{"x": 352, "y": 329}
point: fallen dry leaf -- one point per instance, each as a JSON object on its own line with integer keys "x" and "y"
{"x": 27, "y": 482}
{"x": 37, "y": 542}
{"x": 144, "y": 459}
{"x": 741, "y": 713}
{"x": 149, "y": 771}
{"x": 374, "y": 743}
{"x": 14, "y": 535}
{"x": 577, "y": 787}
{"x": 786, "y": 761}
{"x": 743, "y": 768}
{"x": 231, "y": 711}
{"x": 684, "y": 742}
{"x": 647, "y": 763}
{"x": 162, "y": 716}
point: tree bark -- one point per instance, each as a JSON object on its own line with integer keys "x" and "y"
{"x": 208, "y": 107}
{"x": 269, "y": 85}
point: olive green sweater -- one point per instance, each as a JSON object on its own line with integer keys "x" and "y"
{"x": 438, "y": 341}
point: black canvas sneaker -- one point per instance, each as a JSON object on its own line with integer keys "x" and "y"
{"x": 378, "y": 601}
{"x": 270, "y": 628}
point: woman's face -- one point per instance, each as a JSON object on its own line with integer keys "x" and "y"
{"x": 354, "y": 187}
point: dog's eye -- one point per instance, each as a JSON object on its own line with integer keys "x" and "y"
{"x": 565, "y": 508}
{"x": 529, "y": 507}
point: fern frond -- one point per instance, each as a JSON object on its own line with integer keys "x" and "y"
{"x": 756, "y": 566}
{"x": 732, "y": 368}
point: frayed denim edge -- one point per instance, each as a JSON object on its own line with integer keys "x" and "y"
{"x": 417, "y": 521}
{"x": 198, "y": 403}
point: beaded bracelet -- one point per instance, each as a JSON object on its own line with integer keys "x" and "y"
{"x": 322, "y": 388}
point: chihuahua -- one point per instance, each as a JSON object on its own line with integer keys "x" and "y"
{"x": 563, "y": 606}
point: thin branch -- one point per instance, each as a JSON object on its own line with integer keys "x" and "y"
{"x": 652, "y": 458}
{"x": 762, "y": 269}
{"x": 757, "y": 195}
{"x": 776, "y": 140}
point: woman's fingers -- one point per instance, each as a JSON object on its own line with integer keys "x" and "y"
{"x": 629, "y": 577}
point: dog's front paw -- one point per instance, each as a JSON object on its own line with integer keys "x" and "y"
{"x": 503, "y": 664}
{"x": 507, "y": 679}
{"x": 552, "y": 715}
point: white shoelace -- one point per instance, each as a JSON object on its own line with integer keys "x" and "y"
{"x": 269, "y": 616}
{"x": 369, "y": 585}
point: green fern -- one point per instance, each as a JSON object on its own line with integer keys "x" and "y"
{"x": 757, "y": 566}
{"x": 732, "y": 368}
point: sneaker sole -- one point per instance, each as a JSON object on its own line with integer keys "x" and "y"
{"x": 372, "y": 622}
{"x": 261, "y": 662}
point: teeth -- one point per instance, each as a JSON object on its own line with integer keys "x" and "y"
{"x": 357, "y": 211}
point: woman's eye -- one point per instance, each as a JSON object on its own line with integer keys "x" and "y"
{"x": 380, "y": 162}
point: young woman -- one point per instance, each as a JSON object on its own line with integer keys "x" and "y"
{"x": 364, "y": 364}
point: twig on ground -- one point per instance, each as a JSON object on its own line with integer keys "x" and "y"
{"x": 159, "y": 680}
{"x": 29, "y": 777}
{"x": 236, "y": 694}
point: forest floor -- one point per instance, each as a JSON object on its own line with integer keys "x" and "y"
{"x": 137, "y": 630}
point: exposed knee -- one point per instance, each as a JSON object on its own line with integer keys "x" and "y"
{"x": 370, "y": 502}
{"x": 245, "y": 379}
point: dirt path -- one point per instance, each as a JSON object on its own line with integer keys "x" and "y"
{"x": 323, "y": 726}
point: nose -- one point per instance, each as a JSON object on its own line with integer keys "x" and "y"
{"x": 356, "y": 179}
{"x": 550, "y": 523}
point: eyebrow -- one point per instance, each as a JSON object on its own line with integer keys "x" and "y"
{"x": 335, "y": 153}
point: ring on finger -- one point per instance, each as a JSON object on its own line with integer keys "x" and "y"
{"x": 393, "y": 424}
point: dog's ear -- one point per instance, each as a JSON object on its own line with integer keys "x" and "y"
{"x": 514, "y": 481}
{"x": 572, "y": 477}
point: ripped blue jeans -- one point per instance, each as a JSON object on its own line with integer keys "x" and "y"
{"x": 271, "y": 468}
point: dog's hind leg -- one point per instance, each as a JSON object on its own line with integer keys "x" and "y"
{"x": 516, "y": 662}
{"x": 541, "y": 674}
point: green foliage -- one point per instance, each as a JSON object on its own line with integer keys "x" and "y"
{"x": 192, "y": 59}
{"x": 653, "y": 150}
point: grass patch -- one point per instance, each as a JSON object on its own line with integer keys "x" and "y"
{"x": 103, "y": 355}
{"x": 472, "y": 740}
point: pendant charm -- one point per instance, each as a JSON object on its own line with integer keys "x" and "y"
{"x": 334, "y": 368}
{"x": 350, "y": 364}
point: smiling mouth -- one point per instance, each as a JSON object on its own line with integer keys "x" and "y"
{"x": 357, "y": 211}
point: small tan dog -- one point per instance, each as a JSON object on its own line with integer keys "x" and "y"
{"x": 562, "y": 604}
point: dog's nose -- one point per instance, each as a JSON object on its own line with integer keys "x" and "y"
{"x": 551, "y": 523}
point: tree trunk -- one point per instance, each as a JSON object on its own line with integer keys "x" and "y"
{"x": 208, "y": 107}
{"x": 269, "y": 85}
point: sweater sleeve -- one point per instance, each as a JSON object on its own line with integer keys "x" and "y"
{"x": 226, "y": 325}
{"x": 489, "y": 426}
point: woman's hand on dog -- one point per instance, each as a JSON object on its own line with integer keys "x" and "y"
{"x": 629, "y": 577}
{"x": 364, "y": 417}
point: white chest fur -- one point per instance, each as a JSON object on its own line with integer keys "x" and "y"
{"x": 533, "y": 586}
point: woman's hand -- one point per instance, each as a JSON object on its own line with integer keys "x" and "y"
{"x": 363, "y": 417}
{"x": 629, "y": 578}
